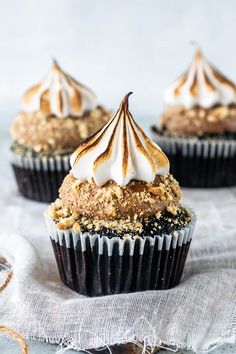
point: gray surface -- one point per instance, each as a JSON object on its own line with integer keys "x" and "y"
{"x": 8, "y": 346}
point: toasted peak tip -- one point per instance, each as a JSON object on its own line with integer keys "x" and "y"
{"x": 198, "y": 50}
{"x": 125, "y": 100}
{"x": 55, "y": 64}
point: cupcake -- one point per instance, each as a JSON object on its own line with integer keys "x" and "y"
{"x": 57, "y": 115}
{"x": 119, "y": 225}
{"x": 198, "y": 127}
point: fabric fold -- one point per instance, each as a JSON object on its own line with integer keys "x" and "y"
{"x": 197, "y": 314}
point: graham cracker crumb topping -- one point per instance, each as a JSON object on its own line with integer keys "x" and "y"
{"x": 112, "y": 201}
{"x": 44, "y": 132}
{"x": 128, "y": 226}
{"x": 198, "y": 120}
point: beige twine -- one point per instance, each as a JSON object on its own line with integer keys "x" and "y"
{"x": 9, "y": 331}
{"x": 6, "y": 281}
{"x": 17, "y": 336}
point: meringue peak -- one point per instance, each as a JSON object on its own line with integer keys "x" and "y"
{"x": 120, "y": 151}
{"x": 202, "y": 84}
{"x": 198, "y": 50}
{"x": 125, "y": 101}
{"x": 56, "y": 66}
{"x": 59, "y": 94}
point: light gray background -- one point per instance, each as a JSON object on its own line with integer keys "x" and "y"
{"x": 113, "y": 47}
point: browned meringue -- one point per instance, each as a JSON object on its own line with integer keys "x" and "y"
{"x": 60, "y": 95}
{"x": 120, "y": 151}
{"x": 201, "y": 85}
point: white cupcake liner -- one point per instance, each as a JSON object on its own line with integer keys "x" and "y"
{"x": 70, "y": 238}
{"x": 38, "y": 178}
{"x": 84, "y": 259}
{"x": 207, "y": 148}
{"x": 56, "y": 163}
{"x": 203, "y": 163}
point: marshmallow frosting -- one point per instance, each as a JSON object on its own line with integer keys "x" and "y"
{"x": 120, "y": 151}
{"x": 59, "y": 94}
{"x": 201, "y": 85}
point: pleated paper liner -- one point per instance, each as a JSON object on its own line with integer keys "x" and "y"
{"x": 40, "y": 178}
{"x": 202, "y": 163}
{"x": 96, "y": 265}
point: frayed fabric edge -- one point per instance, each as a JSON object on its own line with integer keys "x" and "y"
{"x": 146, "y": 344}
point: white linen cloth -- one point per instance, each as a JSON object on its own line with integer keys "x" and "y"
{"x": 198, "y": 314}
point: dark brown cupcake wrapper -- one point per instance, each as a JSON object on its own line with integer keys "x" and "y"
{"x": 40, "y": 178}
{"x": 203, "y": 163}
{"x": 95, "y": 265}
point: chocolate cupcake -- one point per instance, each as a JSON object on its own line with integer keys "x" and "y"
{"x": 119, "y": 225}
{"x": 198, "y": 128}
{"x": 58, "y": 114}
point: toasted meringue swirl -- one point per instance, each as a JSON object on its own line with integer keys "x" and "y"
{"x": 120, "y": 151}
{"x": 201, "y": 85}
{"x": 59, "y": 94}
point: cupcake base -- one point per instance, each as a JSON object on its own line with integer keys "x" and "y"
{"x": 96, "y": 265}
{"x": 200, "y": 163}
{"x": 120, "y": 274}
{"x": 199, "y": 172}
{"x": 40, "y": 178}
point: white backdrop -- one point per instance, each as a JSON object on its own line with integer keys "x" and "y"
{"x": 112, "y": 46}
